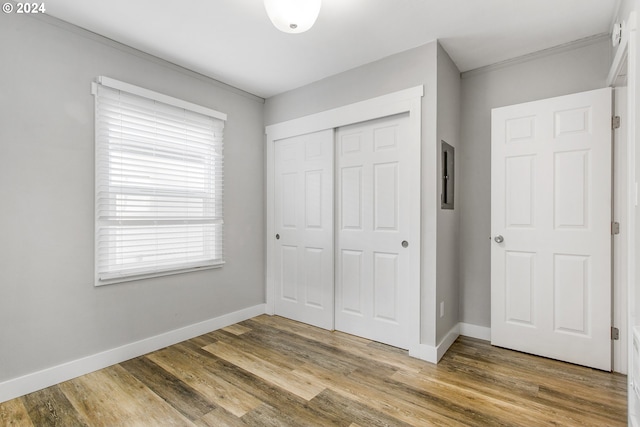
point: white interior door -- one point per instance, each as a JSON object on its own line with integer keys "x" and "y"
{"x": 373, "y": 212}
{"x": 550, "y": 220}
{"x": 303, "y": 250}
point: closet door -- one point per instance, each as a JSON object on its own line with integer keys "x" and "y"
{"x": 374, "y": 245}
{"x": 304, "y": 252}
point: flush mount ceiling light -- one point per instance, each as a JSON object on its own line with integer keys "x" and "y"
{"x": 293, "y": 16}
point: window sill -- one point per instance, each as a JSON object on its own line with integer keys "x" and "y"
{"x": 143, "y": 276}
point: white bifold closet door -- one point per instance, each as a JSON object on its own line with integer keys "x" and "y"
{"x": 304, "y": 252}
{"x": 373, "y": 236}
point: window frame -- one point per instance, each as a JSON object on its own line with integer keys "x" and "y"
{"x": 217, "y": 192}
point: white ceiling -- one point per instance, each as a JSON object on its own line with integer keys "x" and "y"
{"x": 233, "y": 40}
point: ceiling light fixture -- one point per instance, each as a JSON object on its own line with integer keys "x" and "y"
{"x": 293, "y": 16}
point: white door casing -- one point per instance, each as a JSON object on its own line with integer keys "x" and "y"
{"x": 373, "y": 220}
{"x": 620, "y": 258}
{"x": 551, "y": 203}
{"x": 304, "y": 228}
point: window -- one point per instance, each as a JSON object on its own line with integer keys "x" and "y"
{"x": 159, "y": 181}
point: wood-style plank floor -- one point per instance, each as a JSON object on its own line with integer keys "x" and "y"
{"x": 270, "y": 371}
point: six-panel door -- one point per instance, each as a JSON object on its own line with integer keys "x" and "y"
{"x": 551, "y": 207}
{"x": 372, "y": 263}
{"x": 304, "y": 228}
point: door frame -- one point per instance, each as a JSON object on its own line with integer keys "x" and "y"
{"x": 404, "y": 101}
{"x": 622, "y": 74}
{"x": 625, "y": 64}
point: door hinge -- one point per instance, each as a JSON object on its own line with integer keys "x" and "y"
{"x": 615, "y": 122}
{"x": 615, "y": 228}
{"x": 615, "y": 333}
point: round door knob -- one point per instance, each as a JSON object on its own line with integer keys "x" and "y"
{"x": 499, "y": 239}
{"x": 405, "y": 243}
{"x": 277, "y": 237}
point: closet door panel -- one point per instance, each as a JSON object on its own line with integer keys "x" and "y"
{"x": 373, "y": 213}
{"x": 304, "y": 251}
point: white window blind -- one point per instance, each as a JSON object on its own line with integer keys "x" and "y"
{"x": 159, "y": 183}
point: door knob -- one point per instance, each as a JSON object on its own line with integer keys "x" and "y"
{"x": 499, "y": 239}
{"x": 277, "y": 237}
{"x": 405, "y": 243}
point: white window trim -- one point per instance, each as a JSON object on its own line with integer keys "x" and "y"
{"x": 159, "y": 97}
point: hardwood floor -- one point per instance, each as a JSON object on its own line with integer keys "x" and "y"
{"x": 270, "y": 371}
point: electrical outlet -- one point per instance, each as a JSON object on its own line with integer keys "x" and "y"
{"x": 442, "y": 309}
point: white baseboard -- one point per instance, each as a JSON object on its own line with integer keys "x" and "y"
{"x": 56, "y": 374}
{"x": 424, "y": 352}
{"x": 475, "y": 331}
{"x": 433, "y": 354}
{"x": 448, "y": 339}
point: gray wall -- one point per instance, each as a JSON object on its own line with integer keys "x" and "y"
{"x": 396, "y": 72}
{"x": 411, "y": 68}
{"x": 50, "y": 311}
{"x": 540, "y": 76}
{"x": 448, "y": 258}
